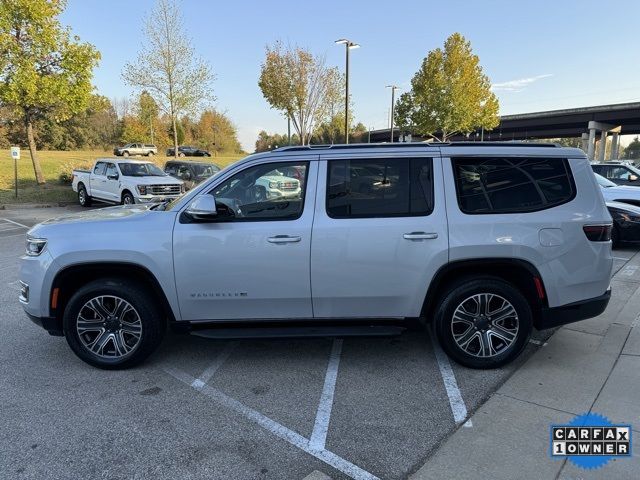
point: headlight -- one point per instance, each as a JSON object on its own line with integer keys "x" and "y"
{"x": 35, "y": 246}
{"x": 142, "y": 189}
{"x": 273, "y": 184}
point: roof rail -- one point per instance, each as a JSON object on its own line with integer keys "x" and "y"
{"x": 355, "y": 146}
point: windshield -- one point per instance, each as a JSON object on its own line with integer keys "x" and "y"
{"x": 603, "y": 182}
{"x": 140, "y": 170}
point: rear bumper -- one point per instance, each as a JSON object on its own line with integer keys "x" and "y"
{"x": 573, "y": 312}
{"x": 50, "y": 324}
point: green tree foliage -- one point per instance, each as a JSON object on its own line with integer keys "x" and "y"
{"x": 633, "y": 150}
{"x": 332, "y": 131}
{"x": 268, "y": 142}
{"x": 167, "y": 67}
{"x": 45, "y": 73}
{"x": 449, "y": 94}
{"x": 217, "y": 133}
{"x": 301, "y": 86}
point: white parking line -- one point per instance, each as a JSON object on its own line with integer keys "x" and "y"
{"x": 15, "y": 223}
{"x": 210, "y": 372}
{"x": 274, "y": 427}
{"x": 458, "y": 407}
{"x": 323, "y": 415}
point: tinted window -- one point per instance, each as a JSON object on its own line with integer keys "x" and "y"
{"x": 263, "y": 192}
{"x": 389, "y": 187}
{"x": 503, "y": 185}
{"x": 618, "y": 173}
{"x": 99, "y": 168}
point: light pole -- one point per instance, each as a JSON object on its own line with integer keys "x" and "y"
{"x": 393, "y": 104}
{"x": 348, "y": 46}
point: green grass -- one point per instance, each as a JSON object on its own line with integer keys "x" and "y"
{"x": 54, "y": 164}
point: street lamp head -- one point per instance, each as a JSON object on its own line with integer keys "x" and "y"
{"x": 348, "y": 43}
{"x": 394, "y": 87}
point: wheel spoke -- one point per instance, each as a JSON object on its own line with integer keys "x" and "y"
{"x": 486, "y": 347}
{"x": 120, "y": 345}
{"x": 85, "y": 326}
{"x": 131, "y": 328}
{"x": 506, "y": 335}
{"x": 97, "y": 346}
{"x": 96, "y": 305}
{"x": 484, "y": 304}
{"x": 464, "y": 317}
{"x": 467, "y": 337}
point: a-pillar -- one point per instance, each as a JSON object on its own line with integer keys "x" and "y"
{"x": 603, "y": 145}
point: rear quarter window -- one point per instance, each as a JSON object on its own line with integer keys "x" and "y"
{"x": 511, "y": 184}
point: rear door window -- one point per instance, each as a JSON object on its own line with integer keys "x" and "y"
{"x": 511, "y": 185}
{"x": 381, "y": 187}
{"x": 99, "y": 168}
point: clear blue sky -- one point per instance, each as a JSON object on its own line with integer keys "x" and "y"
{"x": 540, "y": 55}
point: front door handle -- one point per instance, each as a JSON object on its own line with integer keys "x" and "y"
{"x": 284, "y": 239}
{"x": 420, "y": 236}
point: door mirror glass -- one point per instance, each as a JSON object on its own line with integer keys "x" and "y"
{"x": 203, "y": 208}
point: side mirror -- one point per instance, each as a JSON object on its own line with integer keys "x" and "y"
{"x": 113, "y": 177}
{"x": 633, "y": 178}
{"x": 203, "y": 209}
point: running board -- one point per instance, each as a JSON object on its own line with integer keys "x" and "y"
{"x": 299, "y": 332}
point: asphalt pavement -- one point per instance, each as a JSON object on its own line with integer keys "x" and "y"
{"x": 254, "y": 409}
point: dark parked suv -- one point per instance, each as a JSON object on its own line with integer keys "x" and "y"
{"x": 186, "y": 151}
{"x": 191, "y": 173}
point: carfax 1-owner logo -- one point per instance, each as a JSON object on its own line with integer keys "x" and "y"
{"x": 590, "y": 441}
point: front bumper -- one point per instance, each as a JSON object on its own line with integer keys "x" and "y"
{"x": 50, "y": 324}
{"x": 573, "y": 312}
{"x": 155, "y": 198}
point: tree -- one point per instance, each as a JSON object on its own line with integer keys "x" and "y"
{"x": 167, "y": 67}
{"x": 44, "y": 71}
{"x": 633, "y": 149}
{"x": 148, "y": 114}
{"x": 300, "y": 85}
{"x": 216, "y": 132}
{"x": 268, "y": 142}
{"x": 449, "y": 94}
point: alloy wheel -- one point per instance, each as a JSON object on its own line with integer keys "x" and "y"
{"x": 485, "y": 325}
{"x": 109, "y": 327}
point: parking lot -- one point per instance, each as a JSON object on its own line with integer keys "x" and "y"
{"x": 350, "y": 408}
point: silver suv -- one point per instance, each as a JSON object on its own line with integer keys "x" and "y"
{"x": 484, "y": 241}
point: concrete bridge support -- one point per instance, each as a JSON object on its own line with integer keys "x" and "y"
{"x": 604, "y": 129}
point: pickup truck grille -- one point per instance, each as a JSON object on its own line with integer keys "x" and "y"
{"x": 288, "y": 185}
{"x": 164, "y": 189}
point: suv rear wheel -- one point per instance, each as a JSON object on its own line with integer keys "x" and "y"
{"x": 113, "y": 324}
{"x": 483, "y": 322}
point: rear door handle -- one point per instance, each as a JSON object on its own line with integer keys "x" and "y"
{"x": 419, "y": 236}
{"x": 284, "y": 239}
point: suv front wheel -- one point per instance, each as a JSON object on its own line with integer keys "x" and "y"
{"x": 483, "y": 322}
{"x": 113, "y": 324}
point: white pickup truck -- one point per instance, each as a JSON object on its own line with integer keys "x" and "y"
{"x": 125, "y": 182}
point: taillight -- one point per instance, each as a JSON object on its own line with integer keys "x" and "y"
{"x": 598, "y": 233}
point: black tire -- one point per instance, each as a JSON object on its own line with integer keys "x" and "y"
{"x": 483, "y": 327}
{"x": 153, "y": 324}
{"x": 127, "y": 199}
{"x": 83, "y": 197}
{"x": 615, "y": 236}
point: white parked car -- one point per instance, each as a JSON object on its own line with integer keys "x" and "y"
{"x": 125, "y": 182}
{"x": 486, "y": 241}
{"x": 618, "y": 193}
